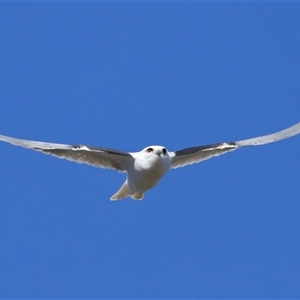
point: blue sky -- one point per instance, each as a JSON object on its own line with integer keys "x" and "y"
{"x": 129, "y": 75}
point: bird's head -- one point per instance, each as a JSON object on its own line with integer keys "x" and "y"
{"x": 154, "y": 158}
{"x": 154, "y": 151}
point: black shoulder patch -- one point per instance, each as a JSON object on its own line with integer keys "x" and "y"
{"x": 219, "y": 146}
{"x": 102, "y": 150}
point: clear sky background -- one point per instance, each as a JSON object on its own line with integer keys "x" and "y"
{"x": 129, "y": 75}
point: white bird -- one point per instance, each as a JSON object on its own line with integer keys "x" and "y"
{"x": 145, "y": 168}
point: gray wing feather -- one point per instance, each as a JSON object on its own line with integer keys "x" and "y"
{"x": 197, "y": 154}
{"x": 94, "y": 156}
{"x": 194, "y": 155}
{"x": 270, "y": 138}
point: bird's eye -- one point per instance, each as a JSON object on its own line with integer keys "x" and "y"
{"x": 149, "y": 150}
{"x": 164, "y": 151}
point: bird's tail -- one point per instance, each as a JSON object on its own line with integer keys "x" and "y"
{"x": 123, "y": 192}
{"x": 137, "y": 196}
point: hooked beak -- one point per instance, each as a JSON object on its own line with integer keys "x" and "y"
{"x": 158, "y": 152}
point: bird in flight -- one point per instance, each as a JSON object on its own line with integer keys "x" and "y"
{"x": 144, "y": 168}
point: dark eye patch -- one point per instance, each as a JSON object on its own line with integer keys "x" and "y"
{"x": 149, "y": 150}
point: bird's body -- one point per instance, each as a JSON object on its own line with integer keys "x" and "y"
{"x": 144, "y": 168}
{"x": 148, "y": 168}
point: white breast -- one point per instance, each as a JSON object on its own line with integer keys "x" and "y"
{"x": 146, "y": 173}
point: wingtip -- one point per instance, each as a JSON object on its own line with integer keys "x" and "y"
{"x": 270, "y": 138}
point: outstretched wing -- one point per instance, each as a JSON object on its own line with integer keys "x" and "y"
{"x": 194, "y": 155}
{"x": 197, "y": 154}
{"x": 94, "y": 156}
